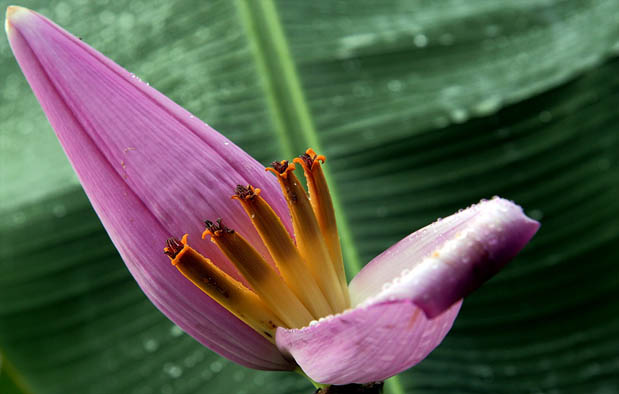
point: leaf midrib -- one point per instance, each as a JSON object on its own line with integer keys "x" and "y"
{"x": 286, "y": 101}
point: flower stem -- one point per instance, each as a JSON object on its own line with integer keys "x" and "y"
{"x": 317, "y": 385}
{"x": 393, "y": 385}
{"x": 369, "y": 388}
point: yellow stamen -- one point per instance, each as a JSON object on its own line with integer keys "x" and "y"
{"x": 281, "y": 247}
{"x": 309, "y": 239}
{"x": 221, "y": 287}
{"x": 311, "y": 281}
{"x": 265, "y": 281}
{"x": 320, "y": 199}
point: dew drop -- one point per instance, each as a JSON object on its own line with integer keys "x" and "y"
{"x": 395, "y": 85}
{"x": 126, "y": 20}
{"x": 452, "y": 91}
{"x": 193, "y": 358}
{"x": 459, "y": 115}
{"x": 176, "y": 331}
{"x": 420, "y": 40}
{"x": 173, "y": 370}
{"x": 150, "y": 345}
{"x": 59, "y": 210}
{"x": 216, "y": 366}
{"x": 492, "y": 30}
{"x": 488, "y": 105}
{"x": 63, "y": 12}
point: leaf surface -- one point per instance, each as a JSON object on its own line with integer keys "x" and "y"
{"x": 421, "y": 107}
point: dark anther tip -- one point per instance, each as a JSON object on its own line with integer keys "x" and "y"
{"x": 244, "y": 192}
{"x": 173, "y": 247}
{"x": 307, "y": 159}
{"x": 280, "y": 166}
{"x": 217, "y": 228}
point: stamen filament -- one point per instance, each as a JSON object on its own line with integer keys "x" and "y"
{"x": 224, "y": 289}
{"x": 281, "y": 247}
{"x": 320, "y": 199}
{"x": 265, "y": 281}
{"x": 310, "y": 241}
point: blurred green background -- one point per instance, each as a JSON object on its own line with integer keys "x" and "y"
{"x": 422, "y": 107}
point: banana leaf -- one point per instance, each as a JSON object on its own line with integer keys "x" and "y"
{"x": 421, "y": 108}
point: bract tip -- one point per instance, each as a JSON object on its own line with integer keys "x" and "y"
{"x": 12, "y": 13}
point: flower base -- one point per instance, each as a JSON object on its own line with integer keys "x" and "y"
{"x": 370, "y": 388}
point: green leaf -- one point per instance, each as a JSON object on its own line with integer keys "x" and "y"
{"x": 9, "y": 383}
{"x": 422, "y": 108}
